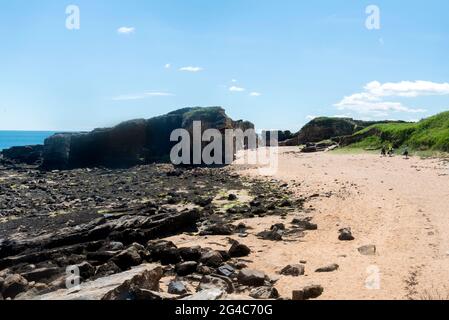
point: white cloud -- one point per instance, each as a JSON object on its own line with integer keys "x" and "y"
{"x": 167, "y": 66}
{"x": 126, "y": 30}
{"x": 236, "y": 89}
{"x": 255, "y": 94}
{"x": 159, "y": 94}
{"x": 191, "y": 69}
{"x": 372, "y": 100}
{"x": 234, "y": 80}
{"x": 142, "y": 96}
{"x": 407, "y": 88}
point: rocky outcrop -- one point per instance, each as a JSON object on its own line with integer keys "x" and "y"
{"x": 121, "y": 286}
{"x": 133, "y": 142}
{"x": 31, "y": 155}
{"x": 325, "y": 128}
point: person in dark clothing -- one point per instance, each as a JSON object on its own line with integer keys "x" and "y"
{"x": 383, "y": 152}
{"x": 406, "y": 152}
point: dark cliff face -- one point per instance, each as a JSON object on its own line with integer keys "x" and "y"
{"x": 132, "y": 142}
{"x": 321, "y": 129}
{"x": 325, "y": 128}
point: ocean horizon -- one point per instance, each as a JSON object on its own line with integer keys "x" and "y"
{"x": 12, "y": 138}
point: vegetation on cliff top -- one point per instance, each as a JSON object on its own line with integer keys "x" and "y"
{"x": 430, "y": 134}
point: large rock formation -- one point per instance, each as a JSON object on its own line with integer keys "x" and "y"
{"x": 133, "y": 142}
{"x": 325, "y": 128}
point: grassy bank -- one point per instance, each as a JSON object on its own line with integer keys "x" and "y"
{"x": 427, "y": 137}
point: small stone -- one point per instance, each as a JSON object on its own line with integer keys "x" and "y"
{"x": 115, "y": 246}
{"x": 272, "y": 235}
{"x": 285, "y": 203}
{"x": 107, "y": 269}
{"x": 207, "y": 295}
{"x": 205, "y": 270}
{"x": 232, "y": 197}
{"x": 293, "y": 270}
{"x": 345, "y": 235}
{"x": 309, "y": 292}
{"x": 305, "y": 224}
{"x": 218, "y": 230}
{"x": 264, "y": 293}
{"x": 226, "y": 270}
{"x": 86, "y": 270}
{"x": 369, "y": 250}
{"x": 240, "y": 265}
{"x": 329, "y": 268}
{"x": 239, "y": 250}
{"x": 214, "y": 282}
{"x": 177, "y": 287}
{"x": 278, "y": 226}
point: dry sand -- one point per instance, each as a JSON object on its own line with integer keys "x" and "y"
{"x": 400, "y": 206}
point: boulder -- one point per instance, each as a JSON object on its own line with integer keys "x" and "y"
{"x": 13, "y": 285}
{"x": 309, "y": 292}
{"x": 293, "y": 270}
{"x": 190, "y": 254}
{"x": 121, "y": 285}
{"x": 238, "y": 250}
{"x": 252, "y": 278}
{"x": 215, "y": 281}
{"x": 127, "y": 258}
{"x": 212, "y": 258}
{"x": 186, "y": 268}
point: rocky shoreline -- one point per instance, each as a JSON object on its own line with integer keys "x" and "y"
{"x": 109, "y": 226}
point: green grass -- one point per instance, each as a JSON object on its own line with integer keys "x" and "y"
{"x": 427, "y": 137}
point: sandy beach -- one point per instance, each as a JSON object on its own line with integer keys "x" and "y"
{"x": 398, "y": 205}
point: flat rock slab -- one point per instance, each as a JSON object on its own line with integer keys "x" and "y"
{"x": 96, "y": 290}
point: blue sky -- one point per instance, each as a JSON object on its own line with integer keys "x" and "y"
{"x": 276, "y": 63}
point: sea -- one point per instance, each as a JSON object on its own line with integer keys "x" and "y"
{"x": 10, "y": 139}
